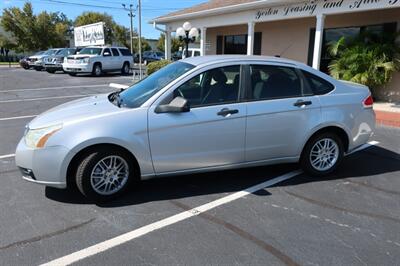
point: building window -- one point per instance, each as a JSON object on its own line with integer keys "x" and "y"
{"x": 235, "y": 44}
{"x": 334, "y": 34}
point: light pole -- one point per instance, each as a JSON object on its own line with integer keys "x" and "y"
{"x": 140, "y": 39}
{"x": 187, "y": 34}
{"x": 131, "y": 15}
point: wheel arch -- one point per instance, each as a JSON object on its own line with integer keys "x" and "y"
{"x": 73, "y": 163}
{"x": 336, "y": 129}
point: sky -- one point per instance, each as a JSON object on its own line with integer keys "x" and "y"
{"x": 150, "y": 9}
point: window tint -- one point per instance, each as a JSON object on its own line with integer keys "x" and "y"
{"x": 125, "y": 52}
{"x": 318, "y": 85}
{"x": 215, "y": 86}
{"x": 115, "y": 51}
{"x": 196, "y": 53}
{"x": 107, "y": 51}
{"x": 272, "y": 82}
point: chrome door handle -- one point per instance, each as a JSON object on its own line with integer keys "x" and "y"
{"x": 226, "y": 112}
{"x": 301, "y": 103}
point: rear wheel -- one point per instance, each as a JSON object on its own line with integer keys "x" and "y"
{"x": 51, "y": 71}
{"x": 322, "y": 154}
{"x": 97, "y": 70}
{"x": 72, "y": 74}
{"x": 104, "y": 174}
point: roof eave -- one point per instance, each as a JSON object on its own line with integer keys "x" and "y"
{"x": 219, "y": 10}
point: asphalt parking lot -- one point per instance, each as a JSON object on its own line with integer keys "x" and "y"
{"x": 350, "y": 218}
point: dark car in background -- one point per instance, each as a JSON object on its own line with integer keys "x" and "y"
{"x": 151, "y": 56}
{"x": 54, "y": 63}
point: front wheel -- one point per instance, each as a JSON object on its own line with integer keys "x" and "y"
{"x": 97, "y": 70}
{"x": 322, "y": 154}
{"x": 104, "y": 174}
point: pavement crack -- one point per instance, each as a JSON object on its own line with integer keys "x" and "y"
{"x": 46, "y": 236}
{"x": 243, "y": 234}
{"x": 374, "y": 187}
{"x": 334, "y": 207}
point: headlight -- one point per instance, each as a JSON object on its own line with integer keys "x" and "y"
{"x": 37, "y": 138}
{"x": 85, "y": 60}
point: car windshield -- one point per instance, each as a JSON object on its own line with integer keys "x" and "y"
{"x": 40, "y": 52}
{"x": 51, "y": 52}
{"x": 88, "y": 50}
{"x": 65, "y": 52}
{"x": 139, "y": 93}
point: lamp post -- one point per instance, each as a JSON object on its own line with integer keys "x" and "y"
{"x": 187, "y": 34}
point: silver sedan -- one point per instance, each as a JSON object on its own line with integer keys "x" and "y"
{"x": 195, "y": 115}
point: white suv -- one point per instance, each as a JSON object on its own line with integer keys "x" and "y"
{"x": 97, "y": 60}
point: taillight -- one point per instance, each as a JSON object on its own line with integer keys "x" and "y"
{"x": 368, "y": 102}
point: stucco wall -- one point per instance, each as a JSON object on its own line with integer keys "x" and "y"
{"x": 290, "y": 38}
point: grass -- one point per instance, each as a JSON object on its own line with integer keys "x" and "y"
{"x": 6, "y": 63}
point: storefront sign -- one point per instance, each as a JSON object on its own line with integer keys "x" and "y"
{"x": 314, "y": 7}
{"x": 92, "y": 34}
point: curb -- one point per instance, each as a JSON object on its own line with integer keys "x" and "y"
{"x": 388, "y": 118}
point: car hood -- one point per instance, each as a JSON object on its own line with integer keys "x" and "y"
{"x": 37, "y": 56}
{"x": 76, "y": 111}
{"x": 81, "y": 56}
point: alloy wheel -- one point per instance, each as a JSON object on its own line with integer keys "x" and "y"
{"x": 109, "y": 175}
{"x": 324, "y": 154}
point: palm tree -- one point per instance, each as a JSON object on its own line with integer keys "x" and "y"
{"x": 369, "y": 58}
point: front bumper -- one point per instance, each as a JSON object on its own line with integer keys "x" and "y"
{"x": 44, "y": 166}
{"x": 53, "y": 66}
{"x": 77, "y": 68}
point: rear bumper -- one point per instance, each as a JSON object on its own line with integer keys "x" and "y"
{"x": 43, "y": 166}
{"x": 364, "y": 127}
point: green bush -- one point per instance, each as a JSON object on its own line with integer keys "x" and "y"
{"x": 154, "y": 66}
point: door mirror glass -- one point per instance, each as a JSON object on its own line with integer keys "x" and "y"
{"x": 177, "y": 105}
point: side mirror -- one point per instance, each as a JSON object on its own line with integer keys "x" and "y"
{"x": 106, "y": 54}
{"x": 178, "y": 105}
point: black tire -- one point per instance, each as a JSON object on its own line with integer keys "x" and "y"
{"x": 72, "y": 74}
{"x": 51, "y": 71}
{"x": 97, "y": 70}
{"x": 87, "y": 165}
{"x": 38, "y": 68}
{"x": 305, "y": 159}
{"x": 125, "y": 69}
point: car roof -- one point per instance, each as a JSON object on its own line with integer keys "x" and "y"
{"x": 211, "y": 59}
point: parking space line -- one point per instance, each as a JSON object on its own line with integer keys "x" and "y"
{"x": 57, "y": 88}
{"x": 7, "y": 156}
{"x": 124, "y": 238}
{"x": 17, "y": 117}
{"x": 48, "y": 98}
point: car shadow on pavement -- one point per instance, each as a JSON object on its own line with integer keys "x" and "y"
{"x": 370, "y": 162}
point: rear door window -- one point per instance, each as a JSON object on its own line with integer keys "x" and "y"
{"x": 318, "y": 85}
{"x": 115, "y": 51}
{"x": 274, "y": 82}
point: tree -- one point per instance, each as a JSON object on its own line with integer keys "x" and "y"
{"x": 175, "y": 44}
{"x": 34, "y": 32}
{"x": 145, "y": 45}
{"x": 369, "y": 59}
{"x": 122, "y": 35}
